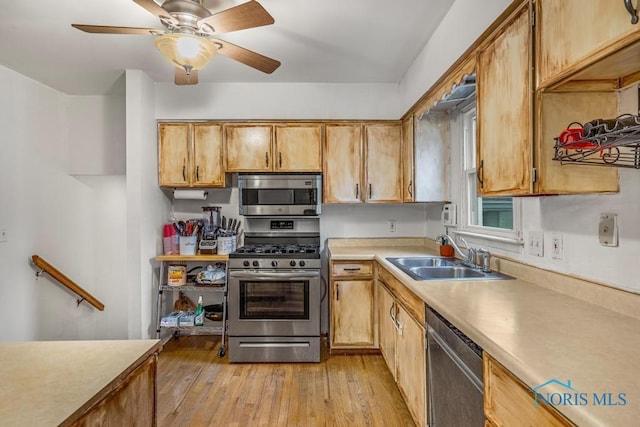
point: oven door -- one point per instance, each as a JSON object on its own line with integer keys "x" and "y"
{"x": 274, "y": 303}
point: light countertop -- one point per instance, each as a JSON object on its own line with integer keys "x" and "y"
{"x": 42, "y": 383}
{"x": 536, "y": 333}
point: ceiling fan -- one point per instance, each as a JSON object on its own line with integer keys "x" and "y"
{"x": 187, "y": 41}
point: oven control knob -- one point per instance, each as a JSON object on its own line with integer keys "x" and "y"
{"x": 245, "y": 263}
{"x": 255, "y": 263}
{"x": 274, "y": 263}
{"x": 302, "y": 263}
{"x": 292, "y": 263}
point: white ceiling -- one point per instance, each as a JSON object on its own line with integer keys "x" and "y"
{"x": 323, "y": 41}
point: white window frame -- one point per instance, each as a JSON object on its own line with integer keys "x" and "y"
{"x": 492, "y": 237}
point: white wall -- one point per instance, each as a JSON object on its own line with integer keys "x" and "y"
{"x": 463, "y": 24}
{"x": 147, "y": 206}
{"x": 52, "y": 214}
{"x": 238, "y": 101}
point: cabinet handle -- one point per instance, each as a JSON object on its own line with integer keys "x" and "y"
{"x": 266, "y": 158}
{"x": 480, "y": 174}
{"x": 370, "y": 190}
{"x": 280, "y": 158}
{"x": 632, "y": 11}
{"x": 351, "y": 269}
{"x": 198, "y": 173}
{"x": 184, "y": 170}
{"x": 357, "y": 191}
{"x": 410, "y": 188}
{"x": 337, "y": 291}
{"x": 391, "y": 316}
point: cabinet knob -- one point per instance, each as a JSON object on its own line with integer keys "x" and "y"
{"x": 266, "y": 158}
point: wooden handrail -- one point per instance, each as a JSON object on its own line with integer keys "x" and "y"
{"x": 56, "y": 274}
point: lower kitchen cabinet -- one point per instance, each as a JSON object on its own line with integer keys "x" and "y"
{"x": 509, "y": 402}
{"x": 402, "y": 342}
{"x": 352, "y": 305}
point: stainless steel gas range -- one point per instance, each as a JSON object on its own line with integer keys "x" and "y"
{"x": 275, "y": 292}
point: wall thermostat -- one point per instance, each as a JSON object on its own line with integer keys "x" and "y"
{"x": 449, "y": 218}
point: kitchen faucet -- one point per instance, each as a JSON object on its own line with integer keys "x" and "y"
{"x": 469, "y": 258}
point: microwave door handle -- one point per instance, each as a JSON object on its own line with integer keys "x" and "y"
{"x": 268, "y": 276}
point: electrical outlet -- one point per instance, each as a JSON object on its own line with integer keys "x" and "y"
{"x": 608, "y": 229}
{"x": 4, "y": 235}
{"x": 392, "y": 225}
{"x": 536, "y": 243}
{"x": 556, "y": 246}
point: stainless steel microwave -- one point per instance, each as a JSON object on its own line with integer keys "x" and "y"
{"x": 280, "y": 194}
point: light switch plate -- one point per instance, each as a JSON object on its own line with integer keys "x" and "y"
{"x": 608, "y": 229}
{"x": 449, "y": 217}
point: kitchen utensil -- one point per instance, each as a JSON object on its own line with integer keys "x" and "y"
{"x": 223, "y": 225}
{"x": 238, "y": 226}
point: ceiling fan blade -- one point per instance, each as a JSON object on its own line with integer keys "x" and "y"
{"x": 153, "y": 8}
{"x": 246, "y": 15}
{"x": 183, "y": 79}
{"x": 103, "y": 29}
{"x": 247, "y": 57}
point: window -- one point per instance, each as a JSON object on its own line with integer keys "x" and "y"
{"x": 488, "y": 218}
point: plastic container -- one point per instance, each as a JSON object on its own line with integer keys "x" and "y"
{"x": 188, "y": 245}
{"x": 446, "y": 250}
{"x": 226, "y": 245}
{"x": 198, "y": 319}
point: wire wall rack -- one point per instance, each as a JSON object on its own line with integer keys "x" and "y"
{"x": 601, "y": 142}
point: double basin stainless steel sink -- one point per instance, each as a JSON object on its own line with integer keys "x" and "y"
{"x": 441, "y": 268}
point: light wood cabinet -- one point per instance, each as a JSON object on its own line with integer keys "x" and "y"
{"x": 190, "y": 155}
{"x": 268, "y": 147}
{"x": 352, "y": 305}
{"x": 571, "y": 33}
{"x": 248, "y": 147}
{"x": 383, "y": 164}
{"x": 411, "y": 364}
{"x": 402, "y": 333}
{"x": 509, "y": 402}
{"x": 407, "y": 160}
{"x": 362, "y": 163}
{"x": 504, "y": 109}
{"x": 386, "y": 308}
{"x": 298, "y": 148}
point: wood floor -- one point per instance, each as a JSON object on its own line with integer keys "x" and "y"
{"x": 196, "y": 388}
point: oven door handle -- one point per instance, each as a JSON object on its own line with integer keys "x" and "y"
{"x": 271, "y": 275}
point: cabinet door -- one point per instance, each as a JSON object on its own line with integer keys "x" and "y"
{"x": 571, "y": 32}
{"x": 173, "y": 155}
{"x": 383, "y": 163}
{"x": 407, "y": 160}
{"x": 504, "y": 110}
{"x": 298, "y": 148}
{"x": 411, "y": 365}
{"x": 352, "y": 314}
{"x": 386, "y": 328}
{"x": 207, "y": 148}
{"x": 342, "y": 170}
{"x": 248, "y": 148}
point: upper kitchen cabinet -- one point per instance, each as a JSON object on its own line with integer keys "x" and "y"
{"x": 572, "y": 33}
{"x": 362, "y": 163}
{"x": 407, "y": 160}
{"x": 342, "y": 171}
{"x": 383, "y": 163}
{"x": 505, "y": 109}
{"x": 247, "y": 147}
{"x": 190, "y": 155}
{"x": 298, "y": 147}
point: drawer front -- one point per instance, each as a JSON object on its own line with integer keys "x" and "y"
{"x": 352, "y": 269}
{"x": 509, "y": 402}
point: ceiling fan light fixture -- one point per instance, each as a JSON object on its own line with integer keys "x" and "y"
{"x": 188, "y": 51}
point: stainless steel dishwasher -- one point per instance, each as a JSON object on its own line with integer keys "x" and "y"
{"x": 454, "y": 375}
